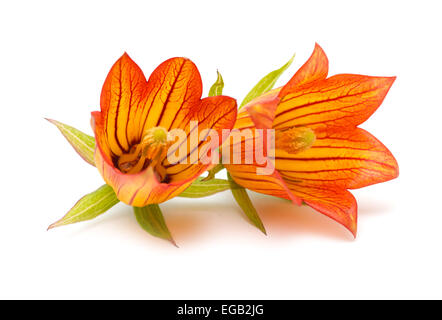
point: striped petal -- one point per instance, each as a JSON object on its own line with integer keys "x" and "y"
{"x": 138, "y": 189}
{"x": 243, "y": 165}
{"x": 216, "y": 113}
{"x": 315, "y": 69}
{"x": 347, "y": 159}
{"x": 338, "y": 204}
{"x": 123, "y": 94}
{"x": 273, "y": 184}
{"x": 244, "y": 120}
{"x": 262, "y": 109}
{"x": 178, "y": 96}
{"x": 131, "y": 105}
{"x": 341, "y": 101}
{"x": 342, "y": 156}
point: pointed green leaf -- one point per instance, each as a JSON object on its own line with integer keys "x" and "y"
{"x": 89, "y": 207}
{"x": 266, "y": 83}
{"x": 201, "y": 188}
{"x": 217, "y": 87}
{"x": 82, "y": 143}
{"x": 151, "y": 219}
{"x": 243, "y": 200}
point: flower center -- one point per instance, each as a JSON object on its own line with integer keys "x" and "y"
{"x": 295, "y": 140}
{"x": 151, "y": 151}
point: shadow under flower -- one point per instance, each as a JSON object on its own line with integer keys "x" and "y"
{"x": 190, "y": 222}
{"x": 284, "y": 219}
{"x": 280, "y": 217}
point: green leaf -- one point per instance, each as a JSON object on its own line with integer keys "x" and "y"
{"x": 217, "y": 87}
{"x": 266, "y": 83}
{"x": 201, "y": 188}
{"x": 82, "y": 143}
{"x": 151, "y": 219}
{"x": 89, "y": 207}
{"x": 243, "y": 200}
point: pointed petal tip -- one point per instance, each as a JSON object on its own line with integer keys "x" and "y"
{"x": 314, "y": 69}
{"x": 318, "y": 48}
{"x": 351, "y": 225}
{"x": 392, "y": 79}
{"x": 353, "y": 230}
{"x": 125, "y": 58}
{"x": 387, "y": 83}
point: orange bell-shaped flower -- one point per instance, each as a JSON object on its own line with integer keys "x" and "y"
{"x": 133, "y": 129}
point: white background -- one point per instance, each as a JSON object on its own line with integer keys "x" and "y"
{"x": 53, "y": 60}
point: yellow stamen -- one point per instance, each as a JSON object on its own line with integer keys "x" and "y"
{"x": 151, "y": 151}
{"x": 295, "y": 140}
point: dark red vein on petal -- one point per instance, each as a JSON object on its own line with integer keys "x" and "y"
{"x": 309, "y": 104}
{"x": 166, "y": 102}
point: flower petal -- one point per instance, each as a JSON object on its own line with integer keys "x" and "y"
{"x": 338, "y": 204}
{"x": 262, "y": 109}
{"x": 272, "y": 184}
{"x": 348, "y": 159}
{"x": 243, "y": 120}
{"x": 340, "y": 101}
{"x": 123, "y": 94}
{"x": 176, "y": 98}
{"x": 246, "y": 174}
{"x": 138, "y": 189}
{"x": 315, "y": 69}
{"x": 216, "y": 113}
{"x": 130, "y": 105}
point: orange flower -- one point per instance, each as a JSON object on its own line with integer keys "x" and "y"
{"x": 133, "y": 127}
{"x": 319, "y": 150}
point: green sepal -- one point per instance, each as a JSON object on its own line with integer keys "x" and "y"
{"x": 200, "y": 188}
{"x": 243, "y": 200}
{"x": 82, "y": 143}
{"x": 89, "y": 207}
{"x": 266, "y": 83}
{"x": 212, "y": 172}
{"x": 151, "y": 219}
{"x": 217, "y": 88}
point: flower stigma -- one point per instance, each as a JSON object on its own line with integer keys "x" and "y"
{"x": 295, "y": 140}
{"x": 150, "y": 151}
